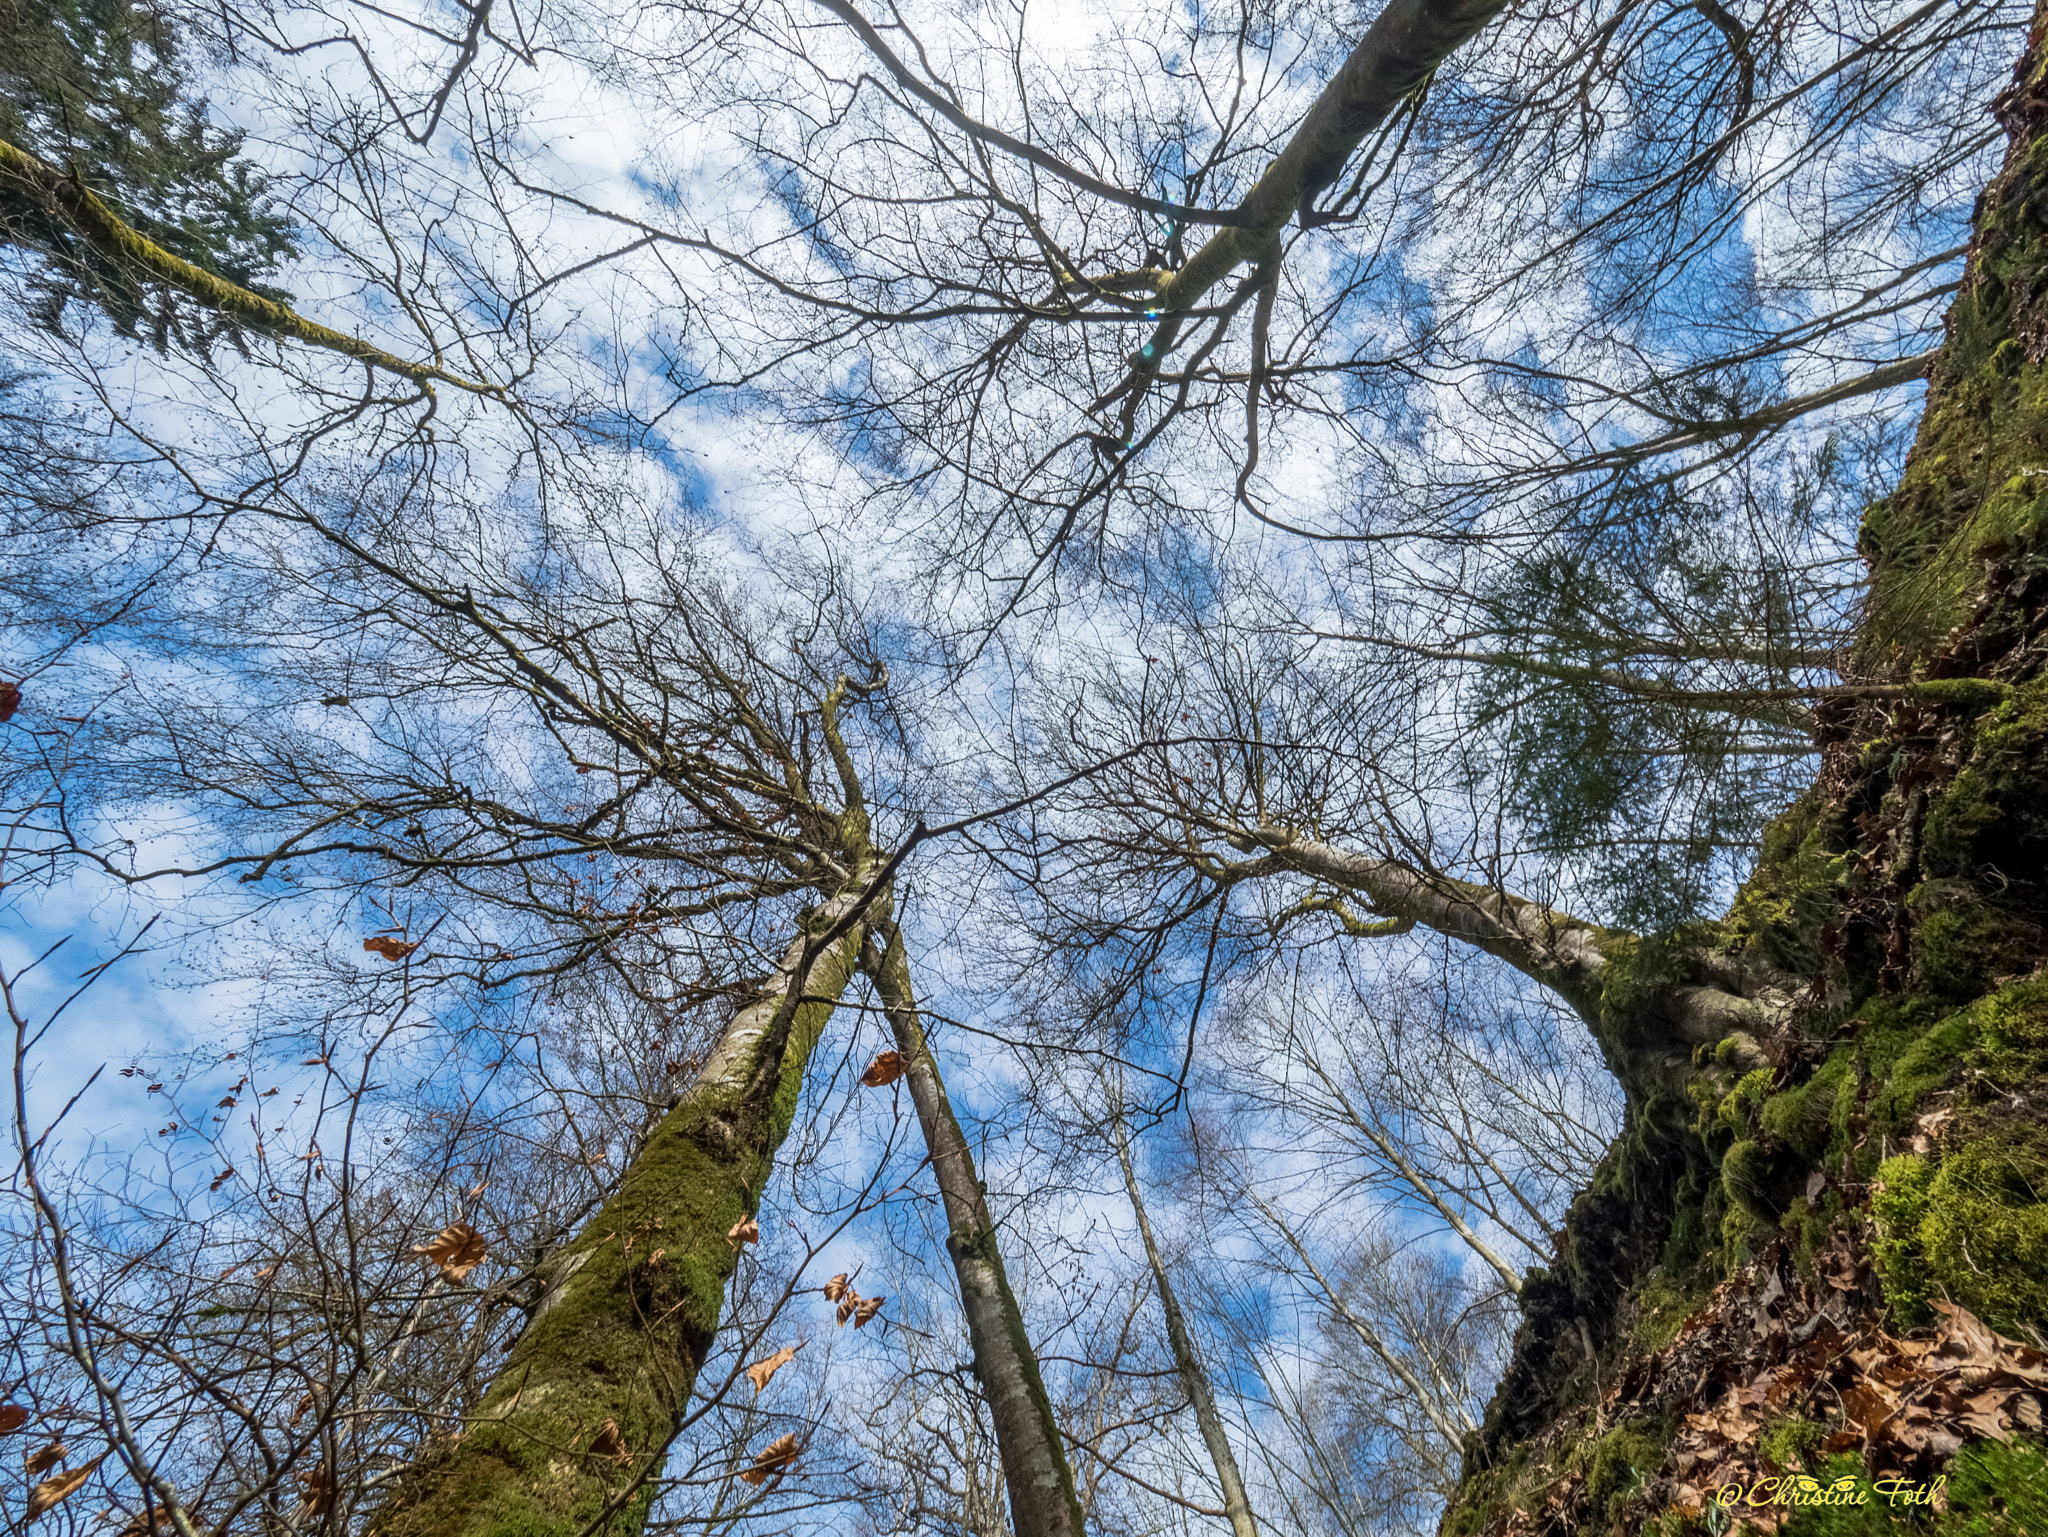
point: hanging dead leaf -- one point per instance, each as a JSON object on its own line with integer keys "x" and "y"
{"x": 762, "y": 1371}
{"x": 885, "y": 1069}
{"x": 48, "y": 1457}
{"x": 391, "y": 949}
{"x": 58, "y": 1487}
{"x": 316, "y": 1492}
{"x": 836, "y": 1287}
{"x": 12, "y": 1418}
{"x": 774, "y": 1459}
{"x": 312, "y": 1396}
{"x": 458, "y": 1249}
{"x": 10, "y": 701}
{"x": 868, "y": 1309}
{"x": 746, "y": 1230}
{"x": 847, "y": 1304}
{"x": 609, "y": 1445}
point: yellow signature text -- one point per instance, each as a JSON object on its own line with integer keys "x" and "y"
{"x": 1800, "y": 1489}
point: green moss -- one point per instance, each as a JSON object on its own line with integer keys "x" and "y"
{"x": 1960, "y": 942}
{"x": 1924, "y": 1063}
{"x": 1618, "y": 1466}
{"x": 1793, "y": 1443}
{"x": 1984, "y": 1234}
{"x": 1802, "y": 1117}
{"x": 1994, "y": 1489}
{"x": 2012, "y": 1027}
{"x": 1664, "y": 1300}
{"x": 1753, "y": 1176}
{"x": 1796, "y": 887}
{"x": 1898, "y": 1203}
{"x": 1483, "y": 1491}
{"x": 1966, "y": 486}
{"x": 1956, "y": 819}
{"x": 1743, "y": 1234}
{"x": 1970, "y": 693}
{"x": 1971, "y": 1227}
{"x": 1739, "y": 1108}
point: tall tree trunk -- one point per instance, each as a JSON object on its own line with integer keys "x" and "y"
{"x": 1041, "y": 1485}
{"x": 632, "y": 1303}
{"x": 1185, "y": 1359}
{"x": 1878, "y": 1151}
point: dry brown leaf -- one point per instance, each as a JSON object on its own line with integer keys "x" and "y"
{"x": 58, "y": 1487}
{"x": 763, "y": 1370}
{"x": 654, "y": 1259}
{"x": 777, "y": 1457}
{"x": 609, "y": 1445}
{"x": 885, "y": 1069}
{"x": 1867, "y": 1406}
{"x": 746, "y": 1230}
{"x": 836, "y": 1287}
{"x": 48, "y": 1457}
{"x": 847, "y": 1304}
{"x": 316, "y": 1492}
{"x": 12, "y": 1418}
{"x": 868, "y": 1309}
{"x": 458, "y": 1249}
{"x": 312, "y": 1397}
{"x": 391, "y": 949}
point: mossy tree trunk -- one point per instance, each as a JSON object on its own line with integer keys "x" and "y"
{"x": 1875, "y": 1135}
{"x": 1035, "y": 1470}
{"x": 633, "y": 1301}
{"x": 575, "y": 1428}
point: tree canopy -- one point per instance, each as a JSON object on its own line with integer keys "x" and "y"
{"x": 981, "y": 771}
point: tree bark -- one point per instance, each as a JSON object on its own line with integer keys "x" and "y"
{"x": 1185, "y": 1359}
{"x": 1406, "y": 42}
{"x": 1041, "y": 1485}
{"x": 1709, "y": 998}
{"x": 632, "y": 1302}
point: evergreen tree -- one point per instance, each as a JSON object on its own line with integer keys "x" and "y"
{"x": 99, "y": 89}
